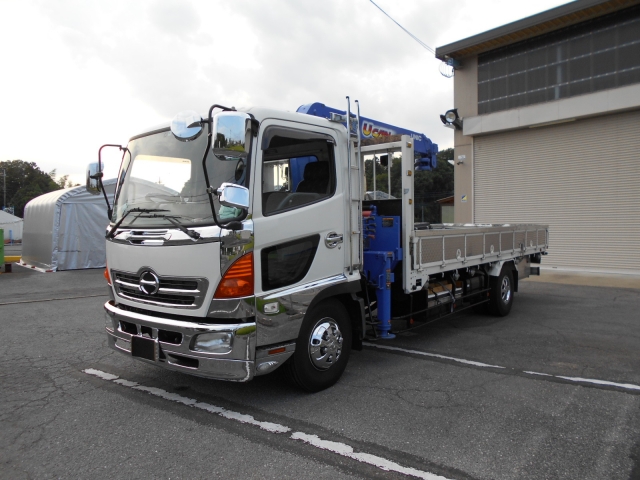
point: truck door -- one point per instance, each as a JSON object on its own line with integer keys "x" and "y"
{"x": 299, "y": 208}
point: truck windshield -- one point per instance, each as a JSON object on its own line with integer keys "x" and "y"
{"x": 165, "y": 173}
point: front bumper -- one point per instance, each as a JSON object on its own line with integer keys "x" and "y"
{"x": 172, "y": 344}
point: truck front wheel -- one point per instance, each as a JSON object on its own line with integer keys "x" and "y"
{"x": 501, "y": 293}
{"x": 323, "y": 347}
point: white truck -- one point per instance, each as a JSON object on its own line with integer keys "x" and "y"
{"x": 222, "y": 264}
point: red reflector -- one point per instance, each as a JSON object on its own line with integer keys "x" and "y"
{"x": 277, "y": 350}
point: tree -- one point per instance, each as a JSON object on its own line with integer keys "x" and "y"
{"x": 430, "y": 185}
{"x": 25, "y": 181}
{"x": 62, "y": 181}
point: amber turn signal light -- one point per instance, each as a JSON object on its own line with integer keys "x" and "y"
{"x": 238, "y": 280}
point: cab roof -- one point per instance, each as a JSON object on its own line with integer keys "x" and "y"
{"x": 261, "y": 114}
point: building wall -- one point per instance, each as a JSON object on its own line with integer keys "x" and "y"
{"x": 584, "y": 183}
{"x": 465, "y": 99}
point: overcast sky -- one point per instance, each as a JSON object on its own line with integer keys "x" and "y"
{"x": 77, "y": 74}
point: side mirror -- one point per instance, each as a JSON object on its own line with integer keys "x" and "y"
{"x": 186, "y": 126}
{"x": 232, "y": 195}
{"x": 231, "y": 135}
{"x": 93, "y": 175}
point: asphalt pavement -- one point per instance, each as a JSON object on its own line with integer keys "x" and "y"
{"x": 551, "y": 391}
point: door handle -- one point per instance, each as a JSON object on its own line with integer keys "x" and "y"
{"x": 333, "y": 239}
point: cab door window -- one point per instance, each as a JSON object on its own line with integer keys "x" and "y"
{"x": 298, "y": 169}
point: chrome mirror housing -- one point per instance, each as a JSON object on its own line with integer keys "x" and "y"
{"x": 231, "y": 135}
{"x": 93, "y": 176}
{"x": 232, "y": 195}
{"x": 186, "y": 126}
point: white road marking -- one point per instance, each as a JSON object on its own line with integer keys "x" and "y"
{"x": 628, "y": 386}
{"x": 436, "y": 355}
{"x": 346, "y": 451}
{"x": 190, "y": 402}
{"x": 102, "y": 375}
{"x": 313, "y": 440}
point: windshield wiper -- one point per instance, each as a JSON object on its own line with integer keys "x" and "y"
{"x": 192, "y": 233}
{"x": 133, "y": 210}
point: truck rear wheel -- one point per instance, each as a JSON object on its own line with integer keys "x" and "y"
{"x": 323, "y": 347}
{"x": 501, "y": 298}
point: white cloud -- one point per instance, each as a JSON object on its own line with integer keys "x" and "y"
{"x": 81, "y": 73}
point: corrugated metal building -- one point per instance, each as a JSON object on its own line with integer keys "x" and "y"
{"x": 550, "y": 110}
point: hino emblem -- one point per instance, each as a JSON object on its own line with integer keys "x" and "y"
{"x": 149, "y": 283}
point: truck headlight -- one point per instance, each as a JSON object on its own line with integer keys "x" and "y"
{"x": 215, "y": 342}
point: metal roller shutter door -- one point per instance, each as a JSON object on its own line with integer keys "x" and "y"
{"x": 581, "y": 178}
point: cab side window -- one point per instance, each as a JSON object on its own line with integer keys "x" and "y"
{"x": 298, "y": 169}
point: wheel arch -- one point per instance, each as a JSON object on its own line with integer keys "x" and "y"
{"x": 346, "y": 294}
{"x": 495, "y": 269}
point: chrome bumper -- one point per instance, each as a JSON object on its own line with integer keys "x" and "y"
{"x": 172, "y": 344}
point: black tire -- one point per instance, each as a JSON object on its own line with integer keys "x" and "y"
{"x": 323, "y": 347}
{"x": 501, "y": 298}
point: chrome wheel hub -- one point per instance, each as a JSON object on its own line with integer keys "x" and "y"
{"x": 505, "y": 290}
{"x": 325, "y": 344}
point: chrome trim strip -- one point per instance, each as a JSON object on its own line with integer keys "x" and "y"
{"x": 175, "y": 290}
{"x": 159, "y": 304}
{"x": 284, "y": 325}
{"x": 158, "y": 321}
{"x": 325, "y": 282}
{"x": 127, "y": 284}
{"x": 269, "y": 364}
{"x": 232, "y": 308}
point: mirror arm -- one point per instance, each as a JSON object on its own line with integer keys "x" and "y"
{"x": 210, "y": 190}
{"x": 99, "y": 177}
{"x": 209, "y": 121}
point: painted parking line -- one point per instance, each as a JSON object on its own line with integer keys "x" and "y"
{"x": 589, "y": 381}
{"x": 627, "y": 386}
{"x": 435, "y": 355}
{"x": 335, "y": 447}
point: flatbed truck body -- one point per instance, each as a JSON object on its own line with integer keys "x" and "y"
{"x": 219, "y": 266}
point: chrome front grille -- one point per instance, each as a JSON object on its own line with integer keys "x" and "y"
{"x": 176, "y": 292}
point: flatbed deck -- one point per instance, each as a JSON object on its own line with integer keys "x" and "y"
{"x": 463, "y": 245}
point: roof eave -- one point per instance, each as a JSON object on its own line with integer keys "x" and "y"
{"x": 533, "y": 26}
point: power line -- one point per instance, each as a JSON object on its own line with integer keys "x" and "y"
{"x": 424, "y": 45}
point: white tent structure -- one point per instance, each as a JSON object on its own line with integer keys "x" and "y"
{"x": 64, "y": 229}
{"x": 11, "y": 225}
